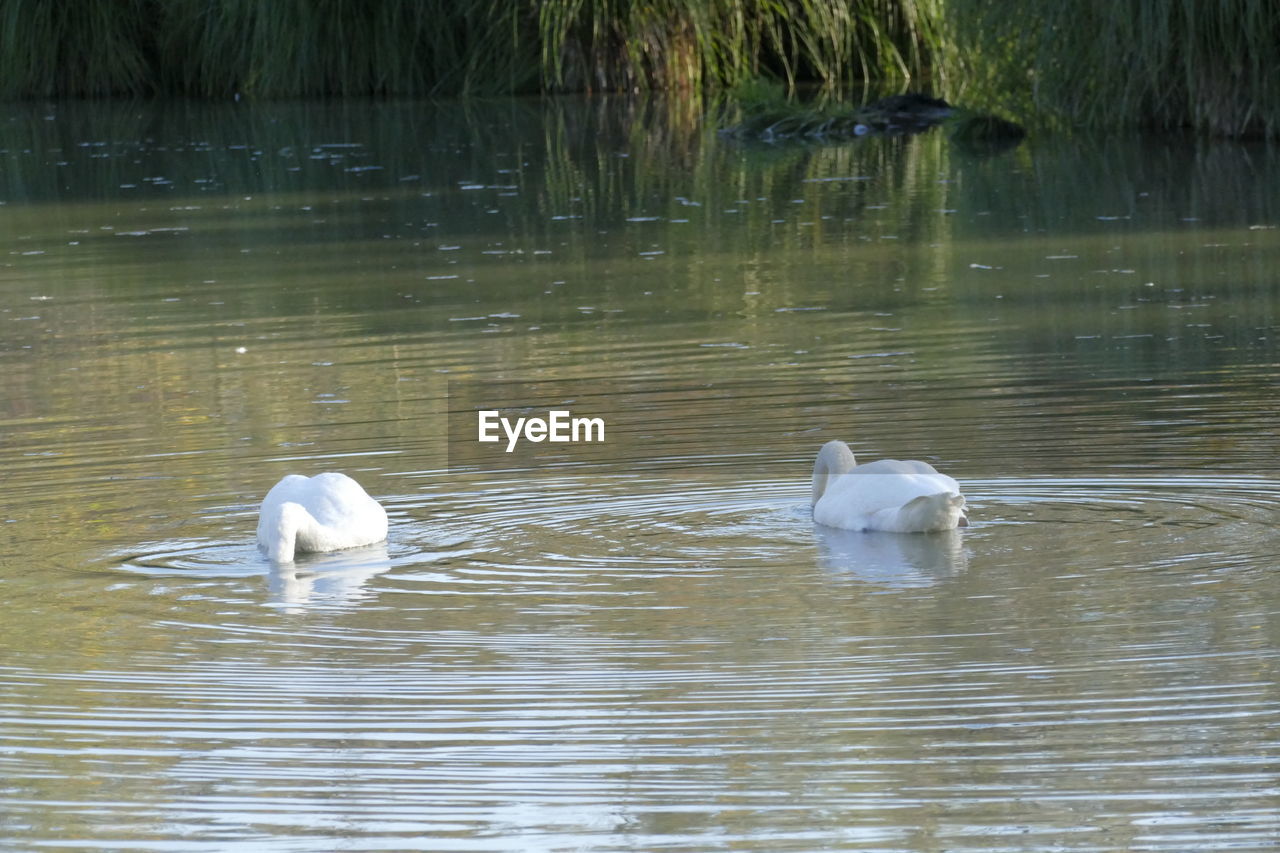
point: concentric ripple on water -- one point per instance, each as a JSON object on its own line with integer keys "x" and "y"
{"x": 896, "y": 691}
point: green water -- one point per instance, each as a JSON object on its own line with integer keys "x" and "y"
{"x": 642, "y": 644}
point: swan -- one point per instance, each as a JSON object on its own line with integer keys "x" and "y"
{"x": 326, "y": 512}
{"x": 888, "y": 494}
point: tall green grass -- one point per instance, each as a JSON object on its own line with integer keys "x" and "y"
{"x": 276, "y": 49}
{"x": 1210, "y": 65}
{"x": 303, "y": 48}
{"x": 1106, "y": 63}
{"x": 83, "y": 49}
{"x": 646, "y": 44}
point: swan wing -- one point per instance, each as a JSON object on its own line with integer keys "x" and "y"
{"x": 336, "y": 500}
{"x": 921, "y": 472}
{"x": 870, "y": 493}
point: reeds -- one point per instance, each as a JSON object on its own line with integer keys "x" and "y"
{"x": 634, "y": 44}
{"x": 280, "y": 49}
{"x": 80, "y": 49}
{"x": 305, "y": 48}
{"x": 1095, "y": 62}
{"x": 302, "y": 48}
{"x": 1111, "y": 63}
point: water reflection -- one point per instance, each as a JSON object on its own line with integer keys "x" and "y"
{"x": 892, "y": 560}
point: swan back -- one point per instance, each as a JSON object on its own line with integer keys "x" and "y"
{"x": 326, "y": 512}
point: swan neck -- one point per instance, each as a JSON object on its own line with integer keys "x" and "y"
{"x": 284, "y": 543}
{"x": 283, "y": 547}
{"x": 834, "y": 459}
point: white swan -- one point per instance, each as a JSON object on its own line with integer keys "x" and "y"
{"x": 326, "y": 512}
{"x": 900, "y": 497}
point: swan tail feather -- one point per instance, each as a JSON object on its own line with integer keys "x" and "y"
{"x": 942, "y": 511}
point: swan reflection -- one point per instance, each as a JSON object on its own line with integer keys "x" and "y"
{"x": 892, "y": 559}
{"x": 338, "y": 577}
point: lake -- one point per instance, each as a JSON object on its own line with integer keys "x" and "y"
{"x": 642, "y": 643}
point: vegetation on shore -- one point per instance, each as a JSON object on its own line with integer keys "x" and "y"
{"x": 304, "y": 48}
{"x": 1115, "y": 63}
{"x": 670, "y": 44}
{"x": 1094, "y": 63}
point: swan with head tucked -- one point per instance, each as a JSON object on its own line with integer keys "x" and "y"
{"x": 327, "y": 512}
{"x": 888, "y": 494}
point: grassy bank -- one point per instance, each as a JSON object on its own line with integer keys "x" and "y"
{"x": 626, "y": 44}
{"x": 1114, "y": 63}
{"x": 280, "y": 49}
{"x": 303, "y": 48}
{"x": 1094, "y": 63}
